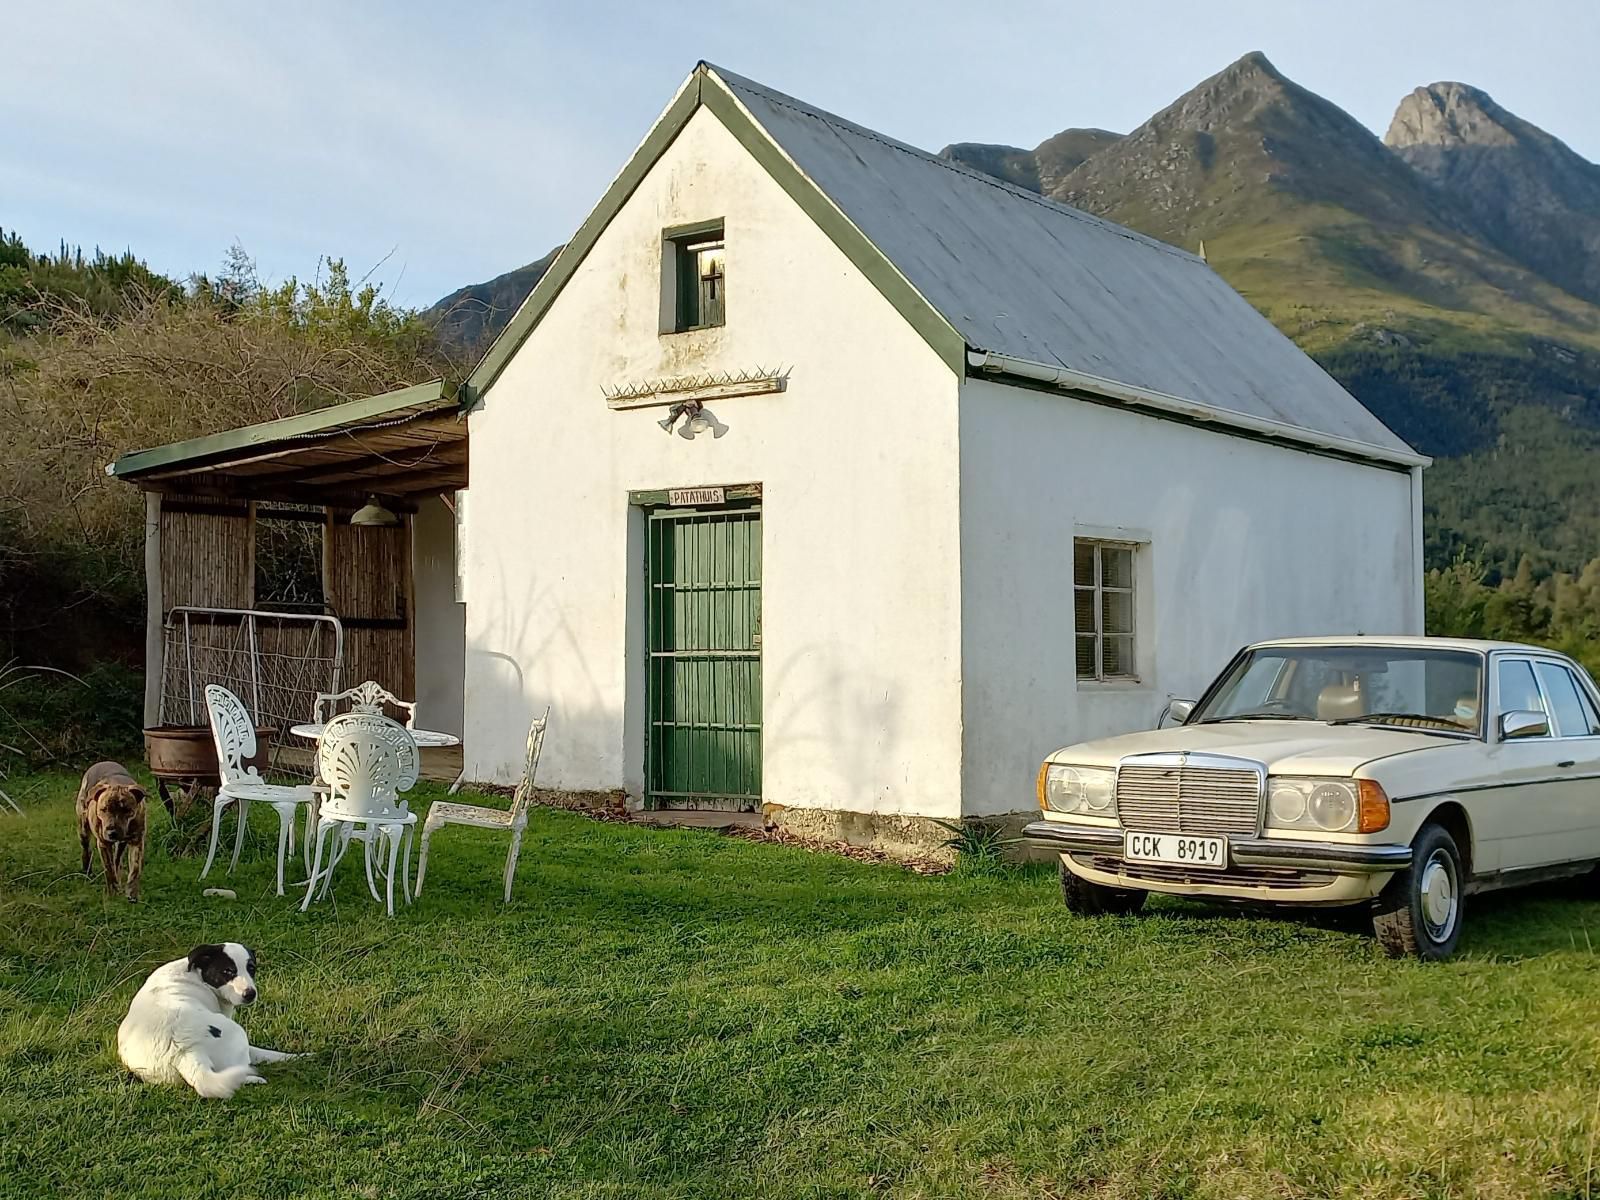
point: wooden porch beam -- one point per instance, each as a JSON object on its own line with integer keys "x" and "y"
{"x": 415, "y": 482}
{"x": 282, "y": 494}
{"x": 441, "y": 453}
{"x": 355, "y": 438}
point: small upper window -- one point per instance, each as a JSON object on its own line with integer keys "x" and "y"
{"x": 1102, "y": 594}
{"x": 698, "y": 264}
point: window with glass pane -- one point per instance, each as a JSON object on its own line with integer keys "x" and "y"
{"x": 1518, "y": 691}
{"x": 700, "y": 265}
{"x": 1572, "y": 718}
{"x": 1590, "y": 712}
{"x": 1103, "y": 609}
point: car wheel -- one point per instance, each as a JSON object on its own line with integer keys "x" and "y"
{"x": 1094, "y": 900}
{"x": 1418, "y": 913}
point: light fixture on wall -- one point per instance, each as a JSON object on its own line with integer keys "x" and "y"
{"x": 697, "y": 418}
{"x": 373, "y": 513}
{"x": 686, "y": 408}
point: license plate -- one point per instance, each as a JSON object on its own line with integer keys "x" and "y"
{"x": 1176, "y": 849}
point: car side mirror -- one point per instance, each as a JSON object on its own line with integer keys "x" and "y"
{"x": 1523, "y": 723}
{"x": 1176, "y": 711}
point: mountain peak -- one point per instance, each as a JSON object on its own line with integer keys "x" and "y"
{"x": 1454, "y": 114}
{"x": 1220, "y": 154}
{"x": 1252, "y": 64}
{"x": 1535, "y": 198}
{"x": 1039, "y": 169}
{"x": 1011, "y": 163}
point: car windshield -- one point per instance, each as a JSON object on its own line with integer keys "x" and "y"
{"x": 1413, "y": 688}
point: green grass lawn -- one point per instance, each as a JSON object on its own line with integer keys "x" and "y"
{"x": 672, "y": 1013}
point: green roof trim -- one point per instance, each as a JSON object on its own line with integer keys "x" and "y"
{"x": 322, "y": 420}
{"x": 528, "y": 316}
{"x": 705, "y": 89}
{"x": 931, "y": 324}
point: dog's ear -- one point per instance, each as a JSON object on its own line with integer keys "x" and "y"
{"x": 203, "y": 956}
{"x": 96, "y": 792}
{"x": 138, "y": 793}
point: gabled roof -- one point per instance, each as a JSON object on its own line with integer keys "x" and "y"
{"x": 977, "y": 265}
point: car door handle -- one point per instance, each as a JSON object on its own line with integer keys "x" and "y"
{"x": 1569, "y": 763}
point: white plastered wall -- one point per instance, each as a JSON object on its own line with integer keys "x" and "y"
{"x": 1240, "y": 541}
{"x": 858, "y": 462}
{"x": 439, "y": 622}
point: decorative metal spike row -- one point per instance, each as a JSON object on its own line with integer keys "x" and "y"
{"x": 639, "y": 389}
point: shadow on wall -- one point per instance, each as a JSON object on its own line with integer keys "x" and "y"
{"x": 857, "y": 721}
{"x": 515, "y": 681}
{"x": 852, "y": 718}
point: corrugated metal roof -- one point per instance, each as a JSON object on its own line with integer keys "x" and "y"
{"x": 1023, "y": 276}
{"x": 371, "y": 411}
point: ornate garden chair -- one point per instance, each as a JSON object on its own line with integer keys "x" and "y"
{"x": 234, "y": 732}
{"x": 365, "y": 761}
{"x": 513, "y": 821}
{"x": 368, "y": 697}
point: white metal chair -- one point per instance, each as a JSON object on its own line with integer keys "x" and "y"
{"x": 368, "y": 697}
{"x": 514, "y": 820}
{"x": 234, "y": 732}
{"x": 365, "y": 761}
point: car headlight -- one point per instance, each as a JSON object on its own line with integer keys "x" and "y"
{"x": 1087, "y": 791}
{"x": 1326, "y": 805}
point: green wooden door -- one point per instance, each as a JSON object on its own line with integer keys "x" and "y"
{"x": 703, "y": 740}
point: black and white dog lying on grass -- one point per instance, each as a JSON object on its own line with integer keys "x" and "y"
{"x": 180, "y": 1026}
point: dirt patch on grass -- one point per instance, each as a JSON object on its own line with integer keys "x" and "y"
{"x": 613, "y": 806}
{"x": 866, "y": 854}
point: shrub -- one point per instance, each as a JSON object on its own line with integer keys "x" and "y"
{"x": 979, "y": 846}
{"x": 51, "y": 718}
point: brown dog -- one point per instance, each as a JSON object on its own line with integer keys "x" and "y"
{"x": 111, "y": 811}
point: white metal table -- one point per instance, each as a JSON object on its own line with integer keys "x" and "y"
{"x": 426, "y": 739}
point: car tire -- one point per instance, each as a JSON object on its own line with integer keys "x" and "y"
{"x": 1418, "y": 913}
{"x": 1095, "y": 900}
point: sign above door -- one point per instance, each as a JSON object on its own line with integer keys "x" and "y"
{"x": 690, "y": 497}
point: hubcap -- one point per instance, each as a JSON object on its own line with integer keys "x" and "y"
{"x": 1439, "y": 899}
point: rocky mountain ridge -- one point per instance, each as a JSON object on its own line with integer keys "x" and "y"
{"x": 1527, "y": 191}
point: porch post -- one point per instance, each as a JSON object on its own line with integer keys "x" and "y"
{"x": 154, "y": 613}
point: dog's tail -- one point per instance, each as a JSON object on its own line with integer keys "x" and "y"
{"x": 214, "y": 1085}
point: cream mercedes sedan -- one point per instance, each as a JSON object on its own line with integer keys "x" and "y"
{"x": 1400, "y": 773}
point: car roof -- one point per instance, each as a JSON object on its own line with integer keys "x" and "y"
{"x": 1410, "y": 641}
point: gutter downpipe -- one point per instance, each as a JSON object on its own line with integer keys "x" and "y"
{"x": 988, "y": 363}
{"x": 1419, "y": 603}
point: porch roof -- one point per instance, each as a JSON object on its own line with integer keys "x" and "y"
{"x": 403, "y": 444}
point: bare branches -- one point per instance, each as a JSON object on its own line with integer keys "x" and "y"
{"x": 79, "y": 388}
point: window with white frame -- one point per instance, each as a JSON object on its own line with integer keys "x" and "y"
{"x": 1103, "y": 609}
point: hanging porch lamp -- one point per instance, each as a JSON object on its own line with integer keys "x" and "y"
{"x": 373, "y": 513}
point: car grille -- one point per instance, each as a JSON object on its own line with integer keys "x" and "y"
{"x": 1180, "y": 798}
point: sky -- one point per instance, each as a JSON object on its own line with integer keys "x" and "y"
{"x": 436, "y": 145}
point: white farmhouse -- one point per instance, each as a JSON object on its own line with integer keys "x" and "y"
{"x": 818, "y": 476}
{"x": 825, "y": 476}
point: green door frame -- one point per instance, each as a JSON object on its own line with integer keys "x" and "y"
{"x": 702, "y": 601}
